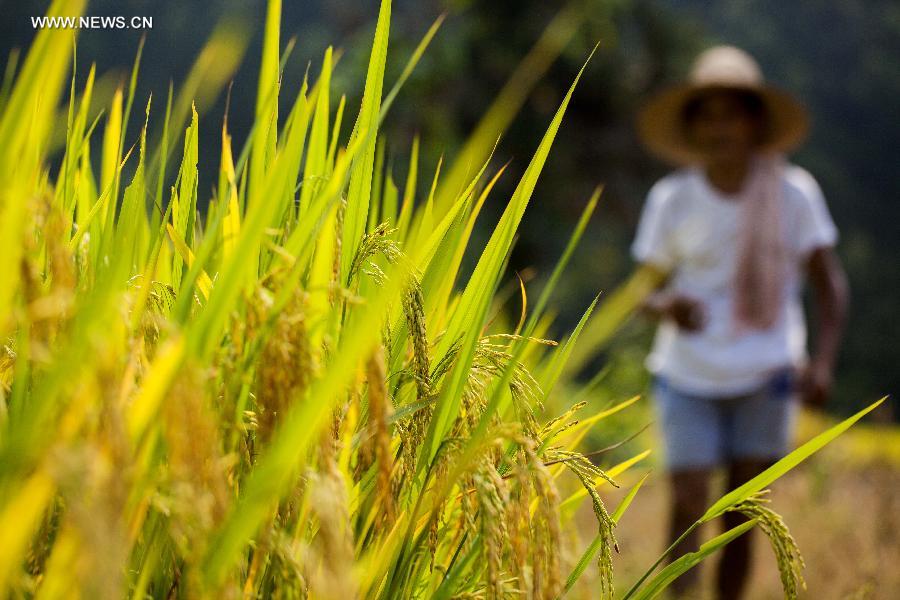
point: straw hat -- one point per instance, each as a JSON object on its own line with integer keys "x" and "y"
{"x": 660, "y": 122}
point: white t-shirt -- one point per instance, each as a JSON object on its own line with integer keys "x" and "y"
{"x": 690, "y": 229}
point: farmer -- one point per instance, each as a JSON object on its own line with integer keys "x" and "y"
{"x": 732, "y": 234}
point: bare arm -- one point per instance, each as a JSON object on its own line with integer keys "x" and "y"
{"x": 831, "y": 296}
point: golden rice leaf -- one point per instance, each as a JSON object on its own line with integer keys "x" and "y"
{"x": 160, "y": 375}
{"x": 204, "y": 283}
{"x": 231, "y": 226}
{"x": 112, "y": 151}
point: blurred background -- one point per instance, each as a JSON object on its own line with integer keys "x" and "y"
{"x": 841, "y": 58}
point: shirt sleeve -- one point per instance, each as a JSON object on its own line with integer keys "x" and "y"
{"x": 814, "y": 227}
{"x": 653, "y": 243}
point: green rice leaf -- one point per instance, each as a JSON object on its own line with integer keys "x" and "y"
{"x": 555, "y": 367}
{"x": 315, "y": 168}
{"x": 410, "y": 66}
{"x": 266, "y": 123}
{"x": 409, "y": 191}
{"x": 687, "y": 562}
{"x": 541, "y": 304}
{"x": 764, "y": 479}
{"x": 468, "y": 318}
{"x": 185, "y": 202}
{"x": 360, "y": 191}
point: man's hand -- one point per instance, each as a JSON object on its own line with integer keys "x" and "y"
{"x": 688, "y": 313}
{"x": 815, "y": 385}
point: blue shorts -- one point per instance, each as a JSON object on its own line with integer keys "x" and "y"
{"x": 702, "y": 432}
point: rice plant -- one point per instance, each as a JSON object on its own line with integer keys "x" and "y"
{"x": 292, "y": 393}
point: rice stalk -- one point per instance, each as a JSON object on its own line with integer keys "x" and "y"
{"x": 379, "y": 412}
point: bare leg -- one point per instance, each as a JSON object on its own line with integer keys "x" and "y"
{"x": 734, "y": 567}
{"x": 690, "y": 489}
